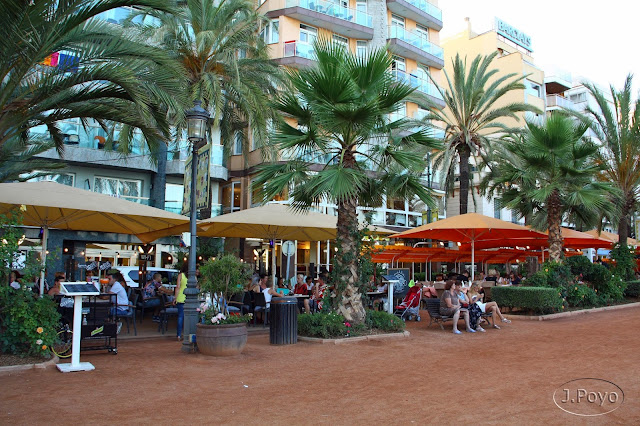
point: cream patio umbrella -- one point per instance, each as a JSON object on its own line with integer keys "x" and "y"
{"x": 52, "y": 205}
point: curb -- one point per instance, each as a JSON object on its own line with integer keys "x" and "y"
{"x": 388, "y": 336}
{"x": 572, "y": 313}
{"x": 23, "y": 367}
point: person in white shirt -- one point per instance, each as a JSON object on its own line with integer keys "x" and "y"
{"x": 122, "y": 301}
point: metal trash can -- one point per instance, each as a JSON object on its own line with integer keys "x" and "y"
{"x": 283, "y": 329}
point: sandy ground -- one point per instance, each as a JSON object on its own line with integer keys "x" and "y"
{"x": 502, "y": 376}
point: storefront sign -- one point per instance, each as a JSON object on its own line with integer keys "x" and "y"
{"x": 513, "y": 34}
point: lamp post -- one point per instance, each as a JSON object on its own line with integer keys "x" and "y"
{"x": 197, "y": 120}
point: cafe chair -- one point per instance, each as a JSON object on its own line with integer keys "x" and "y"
{"x": 433, "y": 307}
{"x": 167, "y": 311}
{"x": 132, "y": 313}
{"x": 260, "y": 305}
{"x": 242, "y": 301}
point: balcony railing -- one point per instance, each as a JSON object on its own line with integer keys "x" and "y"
{"x": 335, "y": 10}
{"x": 560, "y": 101}
{"x": 299, "y": 48}
{"x": 427, "y": 7}
{"x": 420, "y": 84}
{"x": 416, "y": 40}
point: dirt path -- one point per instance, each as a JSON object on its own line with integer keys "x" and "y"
{"x": 502, "y": 376}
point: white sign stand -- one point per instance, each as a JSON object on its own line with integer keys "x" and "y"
{"x": 77, "y": 290}
{"x": 390, "y": 290}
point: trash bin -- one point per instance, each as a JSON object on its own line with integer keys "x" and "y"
{"x": 284, "y": 321}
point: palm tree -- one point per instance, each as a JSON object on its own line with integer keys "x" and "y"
{"x": 617, "y": 127}
{"x": 106, "y": 72}
{"x": 551, "y": 170}
{"x": 20, "y": 162}
{"x": 474, "y": 110}
{"x": 343, "y": 149}
{"x": 226, "y": 61}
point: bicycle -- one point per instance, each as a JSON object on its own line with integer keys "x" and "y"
{"x": 64, "y": 341}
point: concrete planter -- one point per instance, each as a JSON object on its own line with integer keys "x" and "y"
{"x": 221, "y": 340}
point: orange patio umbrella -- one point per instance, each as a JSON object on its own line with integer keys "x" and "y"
{"x": 470, "y": 228}
{"x": 571, "y": 239}
{"x": 612, "y": 238}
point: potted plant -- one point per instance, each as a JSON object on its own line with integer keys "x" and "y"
{"x": 220, "y": 332}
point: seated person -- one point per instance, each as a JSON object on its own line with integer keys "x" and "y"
{"x": 301, "y": 286}
{"x": 14, "y": 280}
{"x": 477, "y": 297}
{"x": 150, "y": 296}
{"x": 493, "y": 275}
{"x": 55, "y": 290}
{"x": 315, "y": 301}
{"x": 450, "y": 306}
{"x": 503, "y": 279}
{"x": 474, "y": 310}
{"x": 480, "y": 276}
{"x": 254, "y": 284}
{"x": 122, "y": 301}
{"x": 268, "y": 292}
{"x": 514, "y": 279}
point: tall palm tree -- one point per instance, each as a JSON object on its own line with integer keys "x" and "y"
{"x": 617, "y": 127}
{"x": 344, "y": 149}
{"x": 105, "y": 72}
{"x": 474, "y": 111}
{"x": 19, "y": 161}
{"x": 226, "y": 61}
{"x": 552, "y": 170}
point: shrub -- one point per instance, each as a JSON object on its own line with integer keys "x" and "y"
{"x": 28, "y": 324}
{"x": 579, "y": 265}
{"x": 633, "y": 289}
{"x": 582, "y": 295}
{"x": 322, "y": 325}
{"x": 384, "y": 321}
{"x": 420, "y": 276}
{"x": 613, "y": 290}
{"x": 558, "y": 274}
{"x": 537, "y": 299}
{"x": 625, "y": 262}
{"x": 539, "y": 279}
{"x": 598, "y": 275}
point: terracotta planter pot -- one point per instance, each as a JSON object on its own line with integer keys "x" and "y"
{"x": 221, "y": 340}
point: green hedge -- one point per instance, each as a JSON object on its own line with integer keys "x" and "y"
{"x": 537, "y": 299}
{"x": 633, "y": 289}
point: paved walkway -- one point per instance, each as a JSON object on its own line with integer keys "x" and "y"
{"x": 502, "y": 377}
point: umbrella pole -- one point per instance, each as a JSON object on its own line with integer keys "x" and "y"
{"x": 43, "y": 256}
{"x": 274, "y": 284}
{"x": 473, "y": 259}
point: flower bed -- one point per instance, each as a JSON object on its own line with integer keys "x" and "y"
{"x": 333, "y": 325}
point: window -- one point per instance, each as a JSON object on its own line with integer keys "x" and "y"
{"x": 63, "y": 178}
{"x": 173, "y": 195}
{"x": 231, "y": 195}
{"x": 533, "y": 88}
{"x": 397, "y": 21}
{"x": 341, "y": 41}
{"x": 361, "y": 48}
{"x": 497, "y": 208}
{"x": 578, "y": 97}
{"x": 395, "y": 204}
{"x": 127, "y": 189}
{"x": 422, "y": 32}
{"x": 271, "y": 32}
{"x": 308, "y": 34}
{"x": 398, "y": 64}
{"x": 237, "y": 143}
{"x": 361, "y": 6}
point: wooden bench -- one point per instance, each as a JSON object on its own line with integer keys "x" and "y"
{"x": 433, "y": 307}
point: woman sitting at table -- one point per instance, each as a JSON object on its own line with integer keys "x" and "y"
{"x": 477, "y": 297}
{"x": 315, "y": 301}
{"x": 450, "y": 306}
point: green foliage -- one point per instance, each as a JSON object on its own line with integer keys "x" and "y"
{"x": 11, "y": 234}
{"x": 212, "y": 316}
{"x": 225, "y": 275}
{"x": 558, "y": 274}
{"x": 633, "y": 289}
{"x": 541, "y": 300}
{"x": 28, "y": 324}
{"x": 420, "y": 276}
{"x": 384, "y": 321}
{"x": 613, "y": 290}
{"x": 538, "y": 279}
{"x": 582, "y": 295}
{"x": 578, "y": 265}
{"x": 625, "y": 261}
{"x": 324, "y": 325}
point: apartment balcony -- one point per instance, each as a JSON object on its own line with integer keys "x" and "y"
{"x": 555, "y": 102}
{"x": 297, "y": 54}
{"x": 323, "y": 14}
{"x": 422, "y": 86}
{"x": 421, "y": 11}
{"x": 407, "y": 44}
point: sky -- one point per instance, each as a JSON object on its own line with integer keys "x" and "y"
{"x": 592, "y": 40}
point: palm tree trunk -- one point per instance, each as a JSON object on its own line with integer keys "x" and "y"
{"x": 554, "y": 220}
{"x": 464, "y": 153}
{"x": 623, "y": 224}
{"x": 350, "y": 304}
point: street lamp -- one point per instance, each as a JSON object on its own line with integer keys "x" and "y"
{"x": 197, "y": 123}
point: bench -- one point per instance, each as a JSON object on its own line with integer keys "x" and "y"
{"x": 433, "y": 307}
